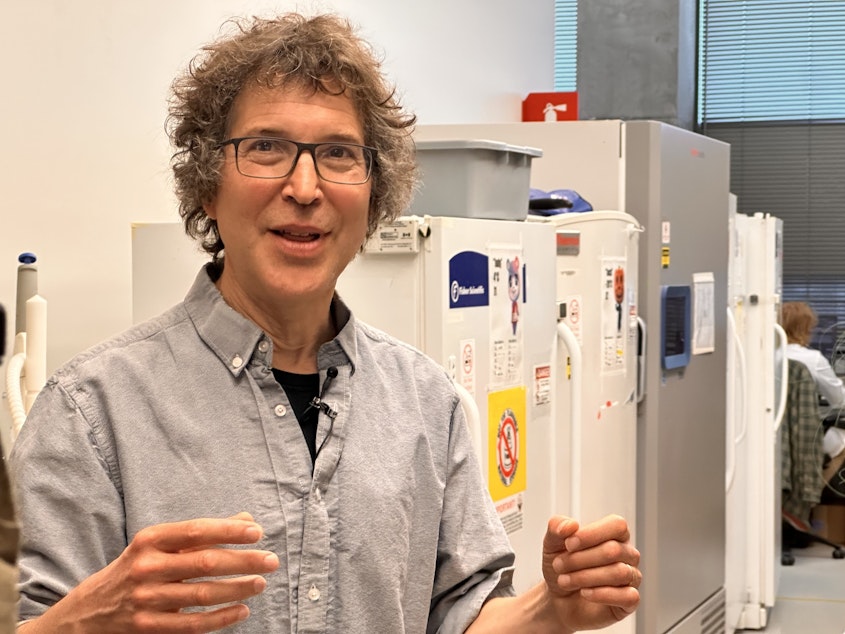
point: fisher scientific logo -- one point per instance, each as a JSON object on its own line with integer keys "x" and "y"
{"x": 459, "y": 291}
{"x": 468, "y": 280}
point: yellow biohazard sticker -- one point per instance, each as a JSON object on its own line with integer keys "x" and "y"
{"x": 507, "y": 434}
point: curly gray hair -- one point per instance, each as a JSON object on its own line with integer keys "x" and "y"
{"x": 322, "y": 52}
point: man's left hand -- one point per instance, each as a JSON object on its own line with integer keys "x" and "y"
{"x": 591, "y": 573}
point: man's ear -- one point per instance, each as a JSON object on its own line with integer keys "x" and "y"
{"x": 210, "y": 208}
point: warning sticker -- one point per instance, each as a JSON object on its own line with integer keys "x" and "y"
{"x": 573, "y": 316}
{"x": 507, "y": 447}
{"x": 507, "y": 434}
{"x": 511, "y": 513}
{"x": 467, "y": 365}
{"x": 542, "y": 384}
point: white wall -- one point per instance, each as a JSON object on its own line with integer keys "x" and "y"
{"x": 84, "y": 154}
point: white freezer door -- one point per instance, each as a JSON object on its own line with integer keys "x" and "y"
{"x": 758, "y": 365}
{"x": 596, "y": 359}
{"x": 497, "y": 346}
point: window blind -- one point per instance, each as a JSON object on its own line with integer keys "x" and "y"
{"x": 772, "y": 84}
{"x": 771, "y": 60}
{"x": 797, "y": 173}
{"x": 566, "y": 45}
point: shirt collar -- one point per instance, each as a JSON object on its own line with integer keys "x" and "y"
{"x": 235, "y": 339}
{"x": 343, "y": 348}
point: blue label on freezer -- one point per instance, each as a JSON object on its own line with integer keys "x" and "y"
{"x": 468, "y": 280}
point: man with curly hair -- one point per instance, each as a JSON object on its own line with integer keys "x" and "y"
{"x": 255, "y": 458}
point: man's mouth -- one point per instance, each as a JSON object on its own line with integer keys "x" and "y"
{"x": 298, "y": 236}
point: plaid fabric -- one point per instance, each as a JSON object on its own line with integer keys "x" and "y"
{"x": 801, "y": 444}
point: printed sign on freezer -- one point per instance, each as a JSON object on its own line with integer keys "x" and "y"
{"x": 613, "y": 315}
{"x": 507, "y": 295}
{"x": 507, "y": 468}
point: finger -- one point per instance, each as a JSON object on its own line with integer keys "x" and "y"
{"x": 623, "y": 601}
{"x": 558, "y": 530}
{"x": 611, "y": 554}
{"x": 612, "y": 527}
{"x": 210, "y": 562}
{"x": 243, "y": 515}
{"x": 166, "y": 597}
{"x": 176, "y": 536}
{"x": 617, "y": 574}
{"x": 636, "y": 577}
{"x": 178, "y": 622}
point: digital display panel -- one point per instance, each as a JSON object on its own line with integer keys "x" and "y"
{"x": 675, "y": 335}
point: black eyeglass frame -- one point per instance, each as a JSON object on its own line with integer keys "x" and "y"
{"x": 369, "y": 156}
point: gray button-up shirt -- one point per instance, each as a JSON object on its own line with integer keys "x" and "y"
{"x": 180, "y": 417}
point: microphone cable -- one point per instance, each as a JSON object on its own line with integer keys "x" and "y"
{"x": 324, "y": 407}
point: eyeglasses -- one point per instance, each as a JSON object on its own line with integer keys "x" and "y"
{"x": 271, "y": 157}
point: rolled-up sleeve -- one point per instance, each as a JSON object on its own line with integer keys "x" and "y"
{"x": 474, "y": 560}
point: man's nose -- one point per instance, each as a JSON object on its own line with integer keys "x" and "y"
{"x": 303, "y": 183}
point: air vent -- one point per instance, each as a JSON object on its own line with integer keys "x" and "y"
{"x": 713, "y": 620}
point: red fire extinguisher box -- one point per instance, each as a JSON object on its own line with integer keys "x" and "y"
{"x": 550, "y": 106}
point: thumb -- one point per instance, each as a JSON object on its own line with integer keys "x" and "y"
{"x": 559, "y": 529}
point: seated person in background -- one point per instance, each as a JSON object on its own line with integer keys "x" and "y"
{"x": 798, "y": 320}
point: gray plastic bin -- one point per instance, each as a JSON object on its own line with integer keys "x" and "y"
{"x": 474, "y": 179}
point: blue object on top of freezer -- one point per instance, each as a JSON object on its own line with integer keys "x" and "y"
{"x": 556, "y": 201}
{"x": 539, "y": 202}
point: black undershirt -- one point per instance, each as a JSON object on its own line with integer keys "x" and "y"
{"x": 300, "y": 389}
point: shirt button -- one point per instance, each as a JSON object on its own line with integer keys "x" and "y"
{"x": 314, "y": 593}
{"x": 237, "y": 361}
{"x": 262, "y": 347}
{"x": 281, "y": 410}
{"x": 318, "y": 495}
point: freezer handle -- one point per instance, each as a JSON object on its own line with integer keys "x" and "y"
{"x": 784, "y": 376}
{"x": 473, "y": 417}
{"x": 732, "y": 439}
{"x": 743, "y": 375}
{"x": 567, "y": 337}
{"x": 641, "y": 348}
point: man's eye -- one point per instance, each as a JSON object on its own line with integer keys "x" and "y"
{"x": 339, "y": 151}
{"x": 265, "y": 145}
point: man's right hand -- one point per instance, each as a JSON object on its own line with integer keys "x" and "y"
{"x": 144, "y": 589}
